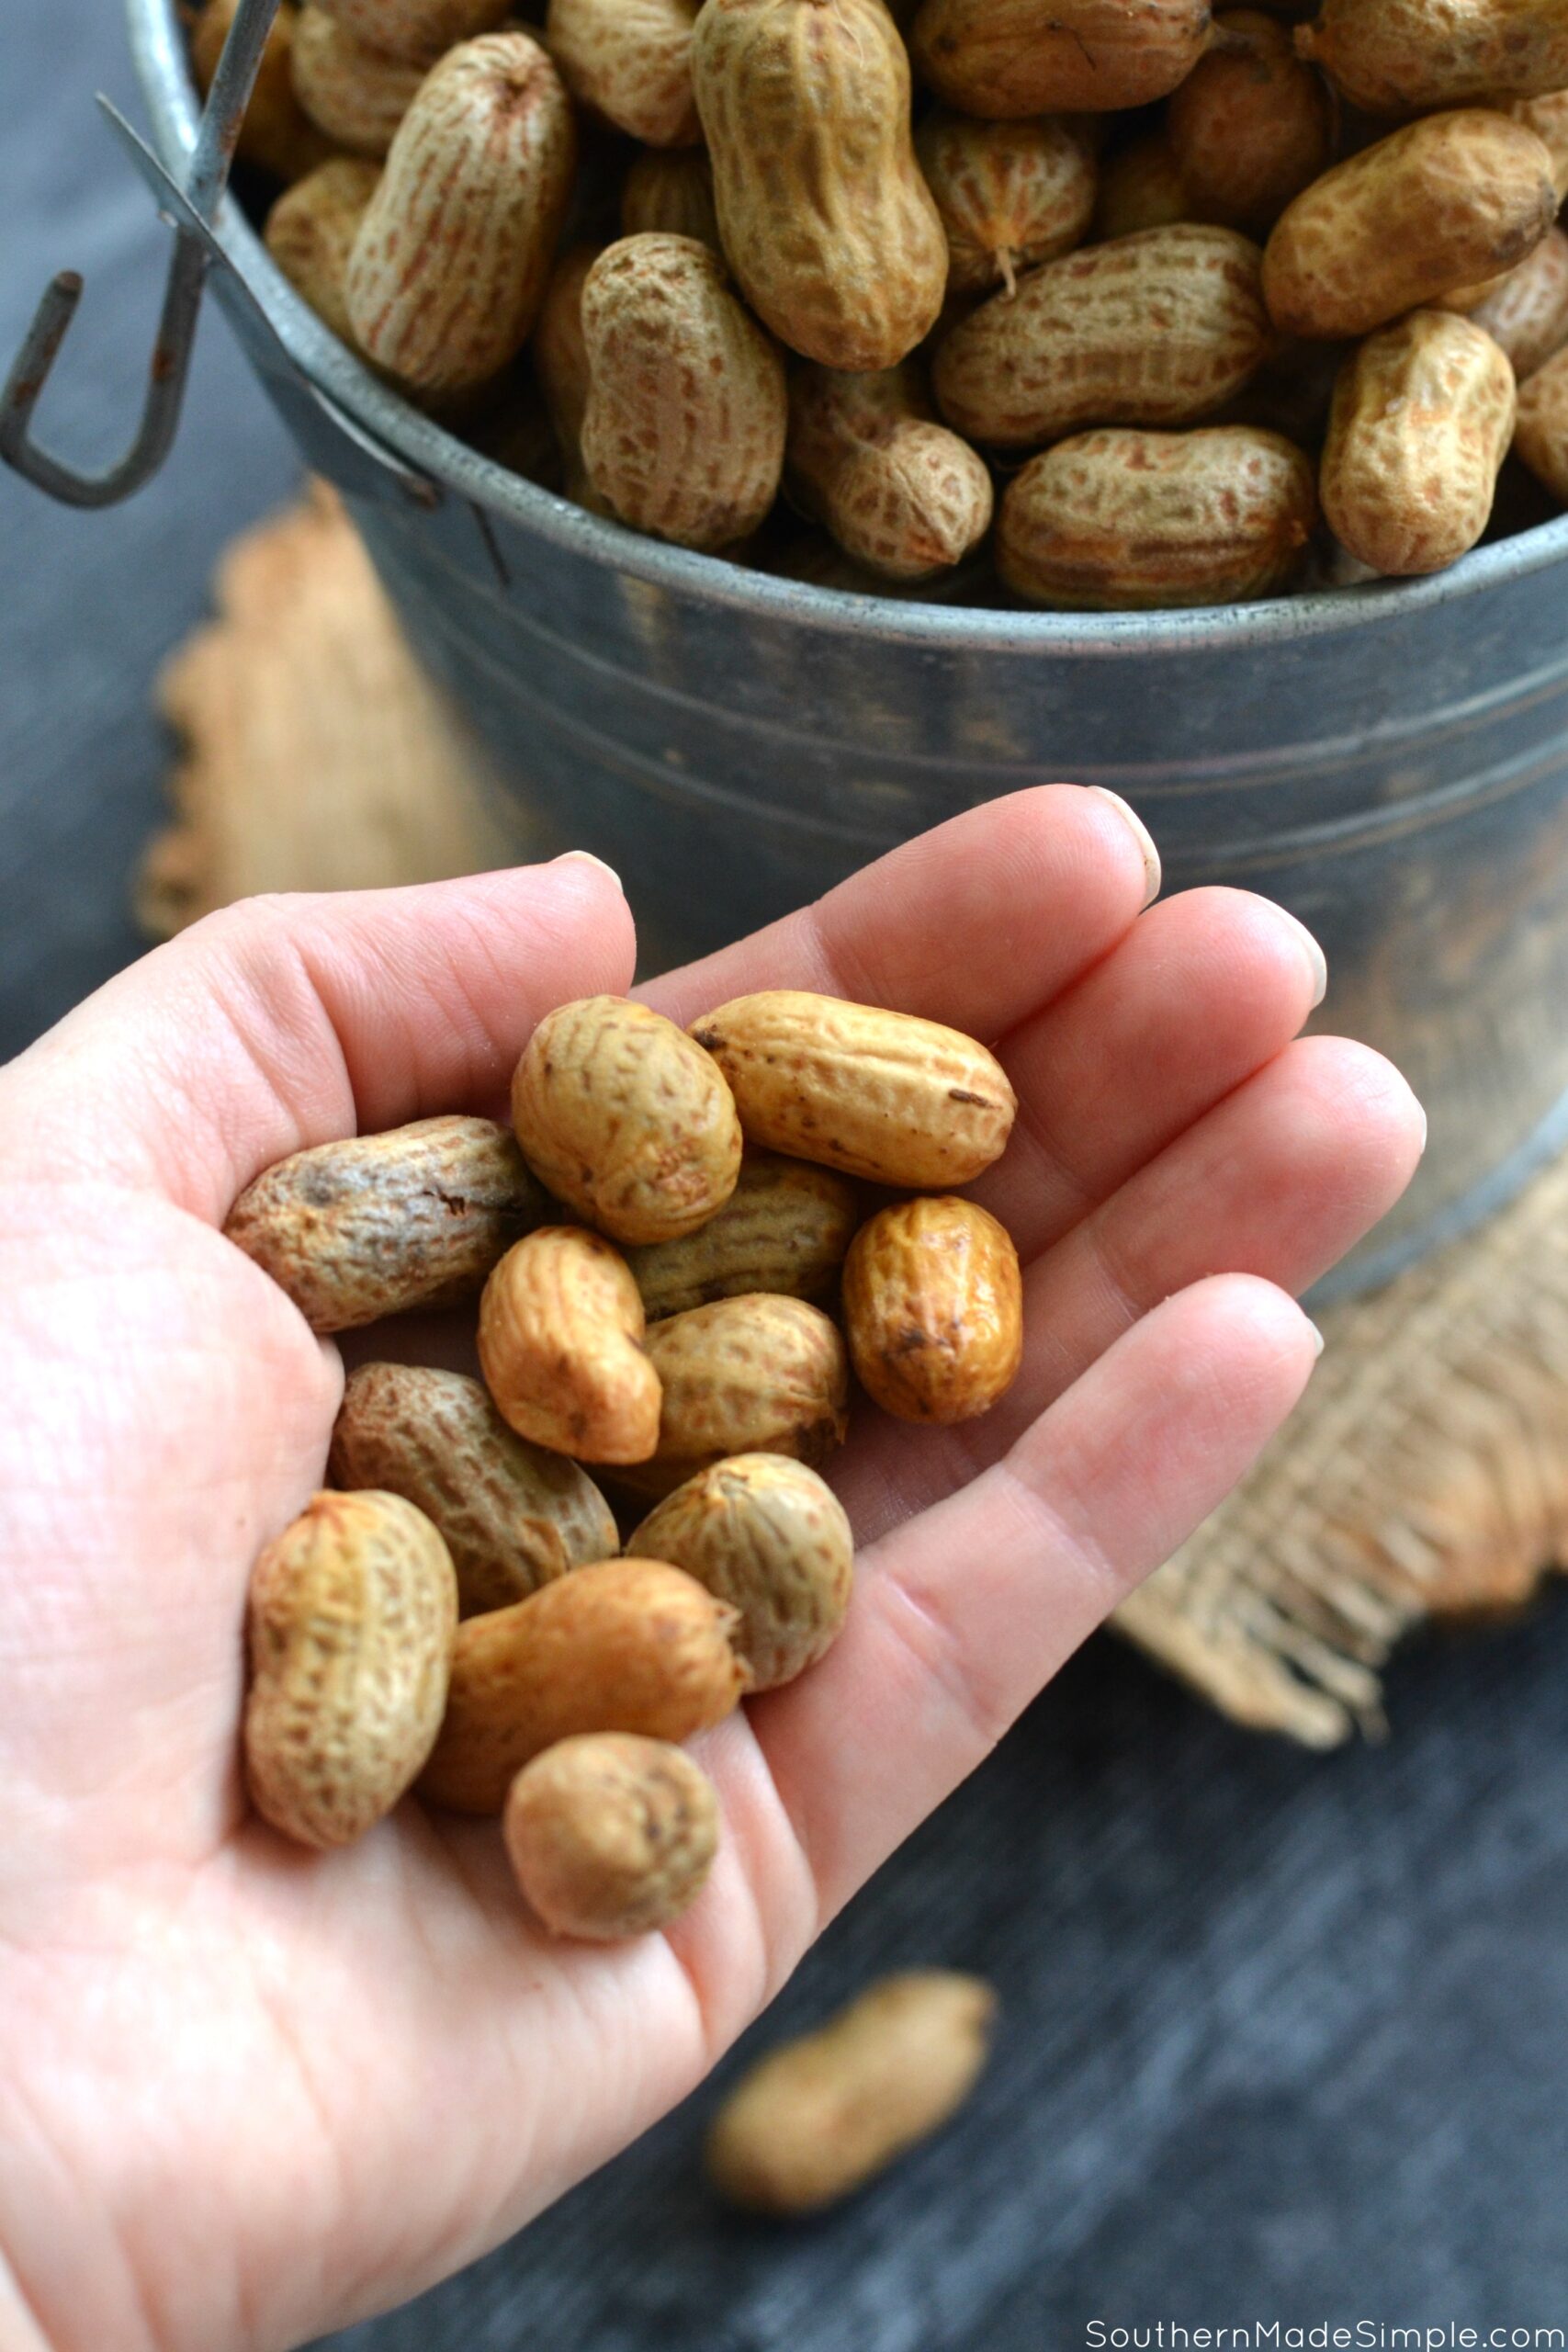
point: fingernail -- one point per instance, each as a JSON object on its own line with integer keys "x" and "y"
{"x": 1422, "y": 1108}
{"x": 1142, "y": 835}
{"x": 586, "y": 857}
{"x": 1316, "y": 958}
{"x": 1316, "y": 1338}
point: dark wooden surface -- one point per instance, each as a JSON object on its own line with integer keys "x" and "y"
{"x": 1283, "y": 2036}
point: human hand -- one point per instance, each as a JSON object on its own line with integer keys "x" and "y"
{"x": 248, "y": 2093}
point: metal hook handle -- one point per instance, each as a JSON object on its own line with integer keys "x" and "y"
{"x": 208, "y": 176}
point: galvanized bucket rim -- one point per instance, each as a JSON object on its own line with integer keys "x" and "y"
{"x": 412, "y": 441}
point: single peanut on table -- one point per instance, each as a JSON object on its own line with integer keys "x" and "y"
{"x": 610, "y": 1835}
{"x": 561, "y": 1348}
{"x": 629, "y": 1644}
{"x": 1422, "y": 418}
{"x": 818, "y": 2118}
{"x": 933, "y": 1309}
{"x": 1128, "y": 521}
{"x": 620, "y": 1114}
{"x": 511, "y": 1515}
{"x": 380, "y": 1224}
{"x": 879, "y": 1094}
{"x": 769, "y": 1538}
{"x": 352, "y": 1617}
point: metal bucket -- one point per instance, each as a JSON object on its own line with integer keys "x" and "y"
{"x": 1388, "y": 761}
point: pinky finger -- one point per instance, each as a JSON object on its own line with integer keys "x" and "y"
{"x": 966, "y": 1612}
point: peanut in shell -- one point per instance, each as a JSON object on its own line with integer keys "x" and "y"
{"x": 561, "y": 1348}
{"x": 785, "y": 1228}
{"x": 753, "y": 1374}
{"x": 1007, "y": 58}
{"x": 933, "y": 1309}
{"x": 610, "y": 1835}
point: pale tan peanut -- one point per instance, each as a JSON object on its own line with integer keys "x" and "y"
{"x": 277, "y": 134}
{"x": 1072, "y": 347}
{"x": 1023, "y": 57}
{"x": 622, "y": 1117}
{"x": 901, "y": 494}
{"x": 1131, "y": 521}
{"x": 610, "y": 1835}
{"x": 560, "y": 354}
{"x": 933, "y": 1309}
{"x": 1422, "y": 417}
{"x": 1540, "y": 434}
{"x": 819, "y": 2116}
{"x": 878, "y": 1094}
{"x": 785, "y": 1228}
{"x": 355, "y": 94}
{"x": 1140, "y": 188}
{"x": 1548, "y": 117}
{"x": 1250, "y": 127}
{"x": 827, "y": 224}
{"x": 422, "y": 30}
{"x": 511, "y": 1515}
{"x": 377, "y": 1224}
{"x": 451, "y": 261}
{"x": 353, "y": 1616}
{"x": 1527, "y": 314}
{"x": 310, "y": 232}
{"x": 561, "y": 1348}
{"x": 1011, "y": 195}
{"x": 1399, "y": 57}
{"x": 630, "y": 60}
{"x": 1445, "y": 202}
{"x": 668, "y": 191}
{"x": 753, "y": 1374}
{"x": 769, "y": 1536}
{"x": 630, "y": 1644}
{"x": 685, "y": 429}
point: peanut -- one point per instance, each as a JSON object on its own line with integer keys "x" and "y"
{"x": 451, "y": 261}
{"x": 310, "y": 232}
{"x": 380, "y": 1224}
{"x": 668, "y": 191}
{"x": 769, "y": 1538}
{"x": 421, "y": 29}
{"x": 829, "y": 226}
{"x": 684, "y": 428}
{"x": 1527, "y": 314}
{"x": 511, "y": 1516}
{"x": 1445, "y": 202}
{"x": 353, "y": 1615}
{"x": 561, "y": 366}
{"x": 1022, "y": 57}
{"x": 1548, "y": 117}
{"x": 620, "y": 1114}
{"x": 933, "y": 1309}
{"x": 276, "y": 135}
{"x": 900, "y": 494}
{"x": 1131, "y": 521}
{"x": 1140, "y": 188}
{"x": 560, "y": 1346}
{"x": 1398, "y": 57}
{"x": 1421, "y": 425}
{"x": 819, "y": 2116}
{"x": 753, "y": 1374}
{"x": 629, "y": 1645}
{"x": 877, "y": 1094}
{"x": 355, "y": 94}
{"x": 785, "y": 1228}
{"x": 1250, "y": 127}
{"x": 610, "y": 1835}
{"x": 1011, "y": 195}
{"x": 631, "y": 61}
{"x": 1074, "y": 346}
{"x": 1540, "y": 437}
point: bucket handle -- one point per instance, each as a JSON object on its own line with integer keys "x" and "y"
{"x": 208, "y": 176}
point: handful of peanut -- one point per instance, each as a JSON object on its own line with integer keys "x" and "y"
{"x": 457, "y": 1611}
{"x": 824, "y": 287}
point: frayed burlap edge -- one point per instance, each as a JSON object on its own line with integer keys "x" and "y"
{"x": 1424, "y": 1475}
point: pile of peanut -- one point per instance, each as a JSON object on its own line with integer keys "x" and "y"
{"x": 657, "y": 1243}
{"x": 1198, "y": 308}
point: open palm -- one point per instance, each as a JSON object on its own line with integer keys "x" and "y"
{"x": 247, "y": 2093}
